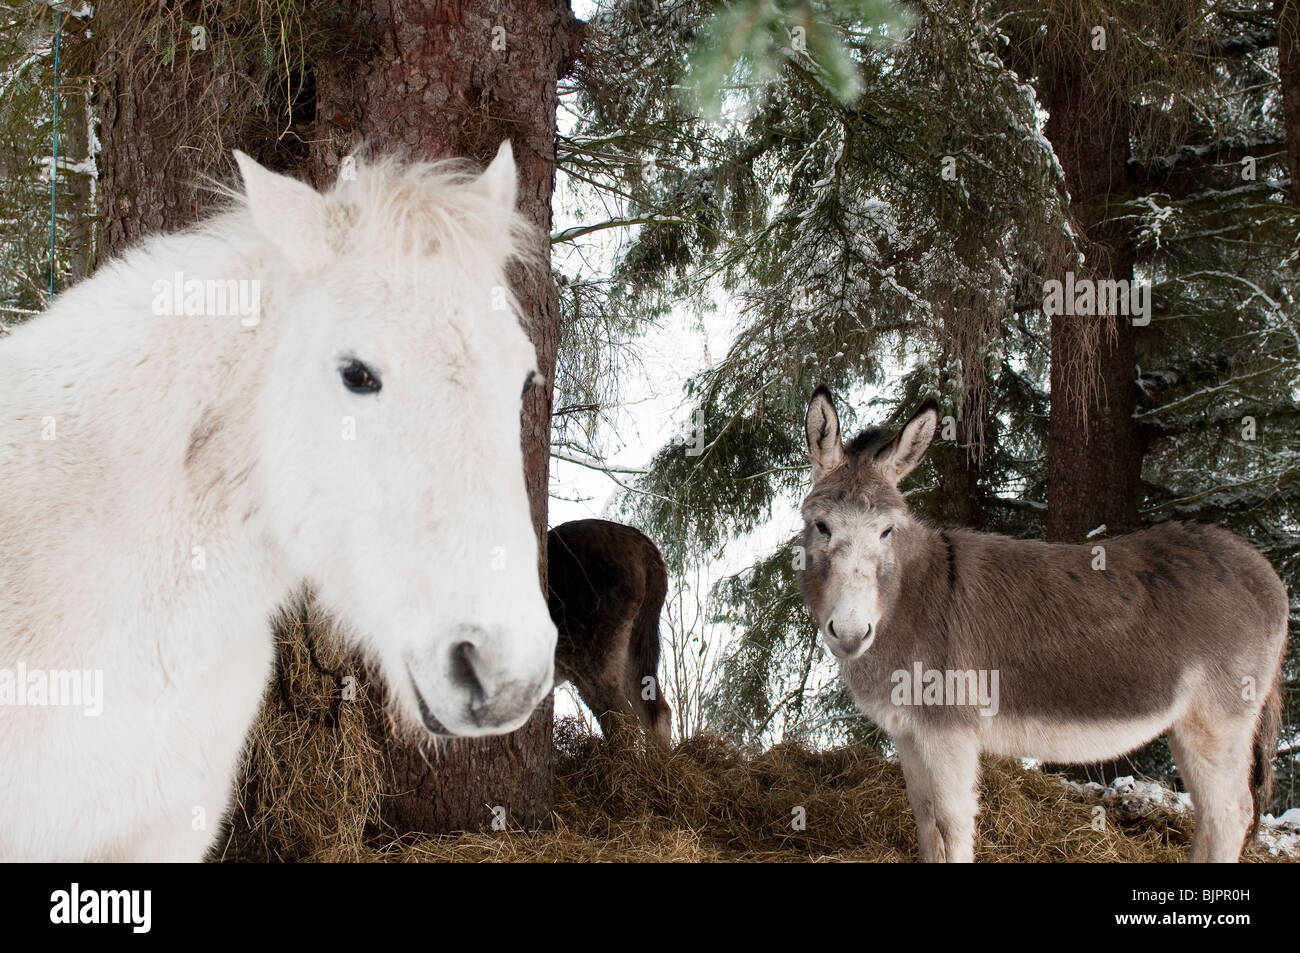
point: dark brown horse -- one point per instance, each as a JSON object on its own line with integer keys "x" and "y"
{"x": 607, "y": 586}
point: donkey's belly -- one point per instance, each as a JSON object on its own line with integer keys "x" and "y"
{"x": 1070, "y": 742}
{"x": 1069, "y": 736}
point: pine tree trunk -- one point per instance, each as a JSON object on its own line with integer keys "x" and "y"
{"x": 1095, "y": 446}
{"x": 961, "y": 499}
{"x": 1288, "y": 68}
{"x": 166, "y": 128}
{"x": 455, "y": 79}
{"x": 151, "y": 160}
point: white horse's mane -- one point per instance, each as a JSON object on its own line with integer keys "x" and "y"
{"x": 406, "y": 208}
{"x": 423, "y": 208}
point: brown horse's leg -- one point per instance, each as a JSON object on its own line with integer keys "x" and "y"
{"x": 605, "y": 698}
{"x": 653, "y": 712}
{"x": 661, "y": 721}
{"x": 643, "y": 652}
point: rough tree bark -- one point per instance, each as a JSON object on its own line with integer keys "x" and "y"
{"x": 152, "y": 157}
{"x": 1288, "y": 68}
{"x": 455, "y": 79}
{"x": 165, "y": 126}
{"x": 1095, "y": 446}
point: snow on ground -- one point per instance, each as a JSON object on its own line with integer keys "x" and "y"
{"x": 1132, "y": 799}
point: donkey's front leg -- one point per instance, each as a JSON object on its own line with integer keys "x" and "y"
{"x": 941, "y": 771}
{"x": 916, "y": 775}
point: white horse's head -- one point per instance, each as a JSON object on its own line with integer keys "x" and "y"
{"x": 391, "y": 414}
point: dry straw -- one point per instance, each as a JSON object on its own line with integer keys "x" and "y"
{"x": 310, "y": 788}
{"x": 309, "y": 794}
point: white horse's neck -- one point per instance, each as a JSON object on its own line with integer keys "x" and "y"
{"x": 146, "y": 431}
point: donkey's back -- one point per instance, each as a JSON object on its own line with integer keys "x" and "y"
{"x": 1088, "y": 630}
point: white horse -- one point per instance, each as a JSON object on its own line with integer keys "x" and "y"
{"x": 319, "y": 387}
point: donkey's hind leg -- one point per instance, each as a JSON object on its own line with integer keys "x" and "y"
{"x": 941, "y": 772}
{"x": 1214, "y": 758}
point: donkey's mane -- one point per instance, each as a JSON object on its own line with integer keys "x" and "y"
{"x": 870, "y": 439}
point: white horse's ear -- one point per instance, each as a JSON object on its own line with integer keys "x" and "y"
{"x": 499, "y": 181}
{"x": 900, "y": 456}
{"x": 821, "y": 428}
{"x": 290, "y": 213}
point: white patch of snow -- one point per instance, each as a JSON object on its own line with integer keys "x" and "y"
{"x": 1130, "y": 799}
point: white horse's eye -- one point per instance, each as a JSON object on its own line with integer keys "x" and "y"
{"x": 358, "y": 378}
{"x": 822, "y": 528}
{"x": 888, "y": 530}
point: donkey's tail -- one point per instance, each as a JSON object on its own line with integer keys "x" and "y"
{"x": 1266, "y": 732}
{"x": 645, "y": 645}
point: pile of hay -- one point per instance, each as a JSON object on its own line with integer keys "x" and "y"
{"x": 311, "y": 791}
{"x": 312, "y": 778}
{"x": 706, "y": 800}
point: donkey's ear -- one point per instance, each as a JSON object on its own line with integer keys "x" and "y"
{"x": 821, "y": 428}
{"x": 290, "y": 213}
{"x": 900, "y": 456}
{"x": 499, "y": 181}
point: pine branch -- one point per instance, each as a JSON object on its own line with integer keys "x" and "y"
{"x": 578, "y": 231}
{"x": 1197, "y": 157}
{"x": 1252, "y": 39}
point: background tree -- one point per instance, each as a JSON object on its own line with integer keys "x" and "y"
{"x": 821, "y": 219}
{"x": 29, "y": 90}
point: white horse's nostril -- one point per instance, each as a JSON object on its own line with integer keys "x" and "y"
{"x": 830, "y": 627}
{"x": 463, "y": 673}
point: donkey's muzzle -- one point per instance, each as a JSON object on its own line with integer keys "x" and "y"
{"x": 846, "y": 643}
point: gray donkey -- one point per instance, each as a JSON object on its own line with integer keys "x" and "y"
{"x": 957, "y": 642}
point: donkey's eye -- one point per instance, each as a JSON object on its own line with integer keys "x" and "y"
{"x": 822, "y": 528}
{"x": 888, "y": 530}
{"x": 358, "y": 378}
